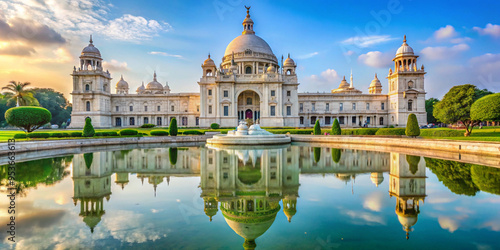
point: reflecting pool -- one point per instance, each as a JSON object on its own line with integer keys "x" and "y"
{"x": 287, "y": 197}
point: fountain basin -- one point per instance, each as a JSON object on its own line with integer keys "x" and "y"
{"x": 249, "y": 136}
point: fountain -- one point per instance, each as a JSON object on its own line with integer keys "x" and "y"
{"x": 254, "y": 135}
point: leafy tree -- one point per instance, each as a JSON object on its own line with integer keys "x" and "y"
{"x": 412, "y": 128}
{"x": 88, "y": 129}
{"x": 336, "y": 127}
{"x": 456, "y": 104}
{"x": 487, "y": 108}
{"x": 317, "y": 128}
{"x": 3, "y": 108}
{"x": 336, "y": 154}
{"x": 481, "y": 93}
{"x": 317, "y": 154}
{"x": 17, "y": 92}
{"x": 28, "y": 118}
{"x": 172, "y": 155}
{"x": 429, "y": 108}
{"x": 487, "y": 179}
{"x": 456, "y": 176}
{"x": 55, "y": 102}
{"x": 172, "y": 130}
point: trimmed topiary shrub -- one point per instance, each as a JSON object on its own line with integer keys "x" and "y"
{"x": 391, "y": 131}
{"x": 99, "y": 134}
{"x": 336, "y": 127}
{"x": 112, "y": 133}
{"x": 38, "y": 135}
{"x": 89, "y": 158}
{"x": 158, "y": 133}
{"x": 76, "y": 134}
{"x": 65, "y": 135}
{"x": 57, "y": 135}
{"x": 28, "y": 118}
{"x": 392, "y": 126}
{"x": 88, "y": 129}
{"x": 172, "y": 155}
{"x": 317, "y": 154}
{"x": 192, "y": 132}
{"x": 366, "y": 131}
{"x": 172, "y": 130}
{"x": 412, "y": 128}
{"x": 486, "y": 108}
{"x": 336, "y": 154}
{"x": 148, "y": 125}
{"x": 128, "y": 132}
{"x": 413, "y": 163}
{"x": 317, "y": 128}
{"x": 20, "y": 136}
{"x": 214, "y": 126}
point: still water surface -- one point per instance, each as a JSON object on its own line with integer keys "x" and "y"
{"x": 290, "y": 197}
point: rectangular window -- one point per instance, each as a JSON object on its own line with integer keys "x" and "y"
{"x": 197, "y": 108}
{"x": 301, "y": 107}
{"x": 313, "y": 106}
{"x": 197, "y": 121}
{"x": 158, "y": 121}
{"x": 367, "y": 106}
{"x": 226, "y": 93}
{"x": 341, "y": 106}
{"x": 249, "y": 101}
{"x": 327, "y": 108}
{"x": 313, "y": 119}
{"x": 354, "y": 106}
{"x": 327, "y": 120}
{"x": 273, "y": 110}
{"x": 288, "y": 93}
{"x": 226, "y": 110}
{"x": 288, "y": 110}
{"x": 172, "y": 108}
{"x": 184, "y": 121}
{"x": 273, "y": 93}
{"x": 209, "y": 92}
{"x": 383, "y": 106}
{"x": 354, "y": 120}
{"x": 131, "y": 121}
{"x": 145, "y": 108}
{"x": 368, "y": 120}
{"x": 158, "y": 108}
{"x": 301, "y": 120}
{"x": 210, "y": 109}
{"x": 131, "y": 108}
{"x": 117, "y": 108}
{"x": 341, "y": 120}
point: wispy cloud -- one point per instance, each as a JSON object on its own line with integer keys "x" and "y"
{"x": 160, "y": 53}
{"x": 443, "y": 52}
{"x": 115, "y": 65}
{"x": 307, "y": 56}
{"x": 367, "y": 41}
{"x": 376, "y": 59}
{"x": 490, "y": 29}
{"x": 445, "y": 32}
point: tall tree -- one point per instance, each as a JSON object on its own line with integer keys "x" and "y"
{"x": 456, "y": 104}
{"x": 55, "y": 102}
{"x": 429, "y": 108}
{"x": 19, "y": 93}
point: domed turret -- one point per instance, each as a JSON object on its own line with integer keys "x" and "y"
{"x": 122, "y": 86}
{"x": 344, "y": 84}
{"x": 289, "y": 61}
{"x": 91, "y": 50}
{"x": 375, "y": 86}
{"x": 209, "y": 62}
{"x": 154, "y": 85}
{"x": 405, "y": 49}
{"x": 140, "y": 88}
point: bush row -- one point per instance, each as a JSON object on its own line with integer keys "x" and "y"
{"x": 442, "y": 132}
{"x": 391, "y": 131}
{"x": 158, "y": 133}
{"x": 360, "y": 131}
{"x": 148, "y": 125}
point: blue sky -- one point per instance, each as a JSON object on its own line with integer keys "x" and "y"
{"x": 457, "y": 41}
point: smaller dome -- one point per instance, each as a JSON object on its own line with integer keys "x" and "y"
{"x": 122, "y": 84}
{"x": 271, "y": 69}
{"x": 405, "y": 49}
{"x": 289, "y": 61}
{"x": 344, "y": 84}
{"x": 91, "y": 50}
{"x": 154, "y": 85}
{"x": 141, "y": 88}
{"x": 209, "y": 61}
{"x": 375, "y": 82}
{"x": 377, "y": 178}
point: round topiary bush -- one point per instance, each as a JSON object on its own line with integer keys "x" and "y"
{"x": 158, "y": 133}
{"x": 486, "y": 108}
{"x": 148, "y": 125}
{"x": 214, "y": 126}
{"x": 336, "y": 127}
{"x": 412, "y": 128}
{"x": 88, "y": 129}
{"x": 172, "y": 130}
{"x": 317, "y": 128}
{"x": 126, "y": 131}
{"x": 28, "y": 118}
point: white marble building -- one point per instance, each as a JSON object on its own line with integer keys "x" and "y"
{"x": 250, "y": 83}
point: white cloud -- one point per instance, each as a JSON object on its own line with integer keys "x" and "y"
{"x": 115, "y": 65}
{"x": 330, "y": 75}
{"x": 376, "y": 59}
{"x": 443, "y": 52}
{"x": 322, "y": 81}
{"x": 448, "y": 223}
{"x": 490, "y": 29}
{"x": 349, "y": 53}
{"x": 374, "y": 202}
{"x": 129, "y": 27}
{"x": 59, "y": 55}
{"x": 164, "y": 54}
{"x": 446, "y": 32}
{"x": 306, "y": 56}
{"x": 367, "y": 41}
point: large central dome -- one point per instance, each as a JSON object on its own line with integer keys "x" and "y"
{"x": 248, "y": 41}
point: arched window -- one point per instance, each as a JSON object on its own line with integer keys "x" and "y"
{"x": 410, "y": 105}
{"x": 248, "y": 70}
{"x": 209, "y": 72}
{"x": 288, "y": 72}
{"x": 410, "y": 85}
{"x": 87, "y": 106}
{"x": 87, "y": 87}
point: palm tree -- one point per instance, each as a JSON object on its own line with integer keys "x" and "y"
{"x": 17, "y": 90}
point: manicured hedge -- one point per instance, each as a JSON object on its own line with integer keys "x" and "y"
{"x": 391, "y": 131}
{"x": 128, "y": 132}
{"x": 193, "y": 132}
{"x": 112, "y": 133}
{"x": 360, "y": 131}
{"x": 158, "y": 132}
{"x": 291, "y": 131}
{"x": 20, "y": 136}
{"x": 38, "y": 135}
{"x": 76, "y": 134}
{"x": 214, "y": 126}
{"x": 59, "y": 135}
{"x": 148, "y": 125}
{"x": 442, "y": 132}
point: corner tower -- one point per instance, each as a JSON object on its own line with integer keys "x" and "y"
{"x": 406, "y": 88}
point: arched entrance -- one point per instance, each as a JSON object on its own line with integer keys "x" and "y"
{"x": 248, "y": 105}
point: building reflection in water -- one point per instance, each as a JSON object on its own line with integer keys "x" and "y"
{"x": 246, "y": 185}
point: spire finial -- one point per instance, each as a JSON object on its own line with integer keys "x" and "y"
{"x": 248, "y": 10}
{"x": 91, "y": 42}
{"x": 404, "y": 39}
{"x": 376, "y": 76}
{"x": 121, "y": 77}
{"x": 154, "y": 76}
{"x": 344, "y": 78}
{"x": 208, "y": 54}
{"x": 288, "y": 55}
